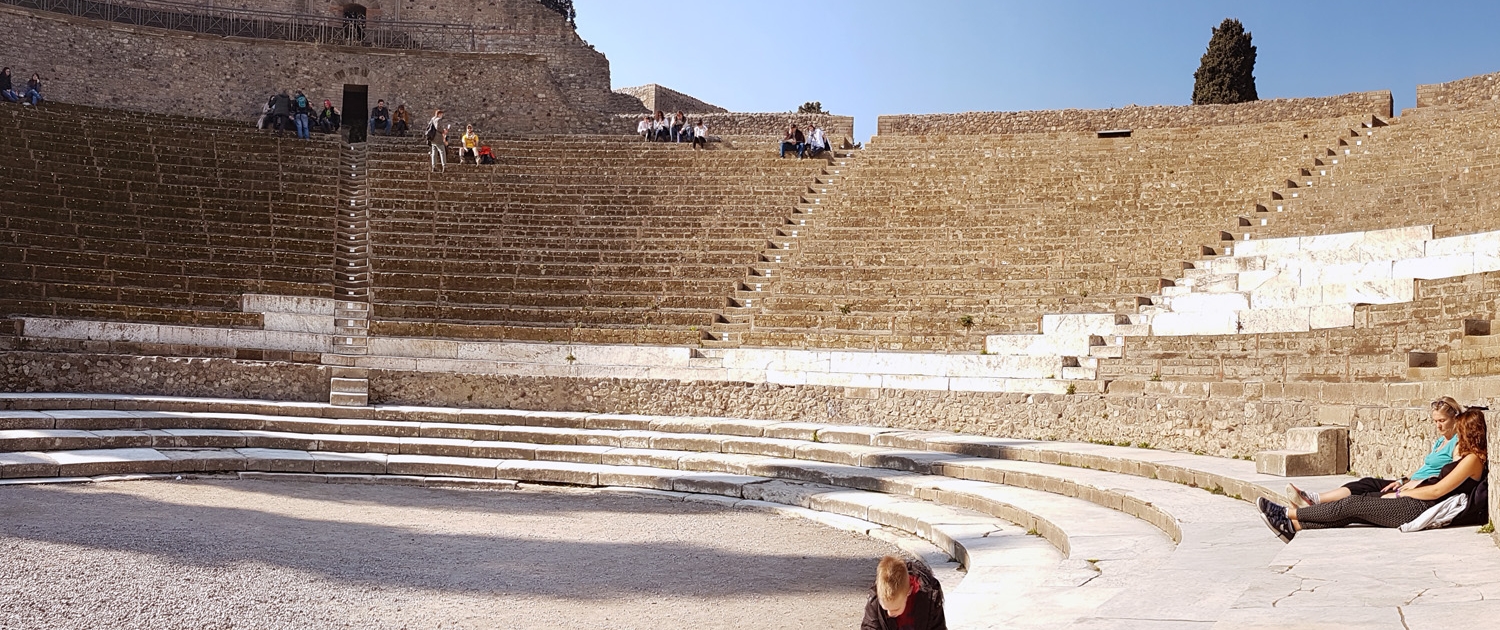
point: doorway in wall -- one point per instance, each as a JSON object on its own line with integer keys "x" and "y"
{"x": 357, "y": 111}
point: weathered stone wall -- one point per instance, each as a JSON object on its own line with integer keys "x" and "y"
{"x": 758, "y": 124}
{"x": 527, "y": 18}
{"x": 1466, "y": 91}
{"x": 126, "y": 67}
{"x": 1134, "y": 117}
{"x": 655, "y": 97}
{"x": 167, "y": 376}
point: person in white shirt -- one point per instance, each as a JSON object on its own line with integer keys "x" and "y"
{"x": 644, "y": 127}
{"x": 700, "y": 135}
{"x": 662, "y": 127}
{"x": 816, "y": 141}
{"x": 437, "y": 140}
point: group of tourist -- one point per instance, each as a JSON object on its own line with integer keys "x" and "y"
{"x": 295, "y": 113}
{"x": 1447, "y": 489}
{"x": 33, "y": 94}
{"x": 810, "y": 144}
{"x": 673, "y": 127}
{"x": 470, "y": 150}
{"x": 390, "y": 123}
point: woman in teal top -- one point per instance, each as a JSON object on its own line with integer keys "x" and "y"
{"x": 1445, "y": 415}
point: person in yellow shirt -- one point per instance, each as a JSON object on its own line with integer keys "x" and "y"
{"x": 471, "y": 146}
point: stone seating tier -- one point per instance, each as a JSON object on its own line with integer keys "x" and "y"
{"x": 990, "y": 224}
{"x": 123, "y": 216}
{"x": 647, "y": 238}
{"x": 1107, "y": 568}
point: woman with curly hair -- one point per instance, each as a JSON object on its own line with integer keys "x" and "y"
{"x": 1393, "y": 509}
{"x": 1444, "y": 418}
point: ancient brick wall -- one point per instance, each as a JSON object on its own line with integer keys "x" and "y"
{"x": 167, "y": 376}
{"x": 654, "y": 97}
{"x": 528, "y": 17}
{"x": 145, "y": 69}
{"x": 1466, "y": 91}
{"x": 758, "y": 124}
{"x": 1133, "y": 117}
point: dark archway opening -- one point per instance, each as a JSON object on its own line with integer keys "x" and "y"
{"x": 356, "y": 111}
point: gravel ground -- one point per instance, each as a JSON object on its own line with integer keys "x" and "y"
{"x": 261, "y": 554}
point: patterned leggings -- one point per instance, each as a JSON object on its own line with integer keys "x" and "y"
{"x": 1368, "y": 509}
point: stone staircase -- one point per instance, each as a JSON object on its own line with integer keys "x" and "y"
{"x": 751, "y": 291}
{"x": 1216, "y": 295}
{"x": 349, "y": 385}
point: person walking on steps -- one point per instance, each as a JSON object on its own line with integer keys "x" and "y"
{"x": 437, "y": 140}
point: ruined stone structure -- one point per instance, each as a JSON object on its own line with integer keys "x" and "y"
{"x": 655, "y": 97}
{"x": 1208, "y": 283}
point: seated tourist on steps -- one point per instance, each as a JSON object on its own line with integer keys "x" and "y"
{"x": 700, "y": 135}
{"x": 401, "y": 120}
{"x": 1445, "y": 418}
{"x": 380, "y": 117}
{"x": 1462, "y": 477}
{"x": 906, "y": 596}
{"x": 661, "y": 127}
{"x": 7, "y": 91}
{"x": 794, "y": 140}
{"x": 644, "y": 128}
{"x": 329, "y": 120}
{"x": 486, "y": 156}
{"x": 34, "y": 90}
{"x": 678, "y": 123}
{"x": 816, "y": 141}
{"x": 470, "y": 150}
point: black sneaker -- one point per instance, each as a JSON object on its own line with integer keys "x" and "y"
{"x": 1275, "y": 518}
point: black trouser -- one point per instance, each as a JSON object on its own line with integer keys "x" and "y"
{"x": 1368, "y": 509}
{"x": 1368, "y": 485}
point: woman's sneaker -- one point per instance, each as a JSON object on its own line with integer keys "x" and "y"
{"x": 1299, "y": 497}
{"x": 1275, "y": 518}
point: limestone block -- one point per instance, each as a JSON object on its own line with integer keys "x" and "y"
{"x": 88, "y": 463}
{"x": 288, "y": 322}
{"x": 436, "y": 447}
{"x": 1241, "y": 262}
{"x": 1078, "y": 324}
{"x": 1330, "y": 316}
{"x": 195, "y": 336}
{"x": 641, "y": 457}
{"x": 768, "y": 447}
{"x": 1209, "y": 302}
{"x": 439, "y": 466}
{"x": 802, "y": 431}
{"x": 204, "y": 460}
{"x": 1046, "y": 345}
{"x": 638, "y": 477}
{"x": 1274, "y": 320}
{"x": 927, "y": 383}
{"x": 260, "y": 303}
{"x": 10, "y": 420}
{"x": 408, "y": 347}
{"x": 782, "y": 377}
{"x": 349, "y": 463}
{"x": 1370, "y": 292}
{"x": 1336, "y": 242}
{"x": 1434, "y": 267}
{"x": 510, "y": 352}
{"x": 1466, "y": 244}
{"x": 1485, "y": 262}
{"x": 851, "y": 503}
{"x": 1195, "y": 323}
{"x": 796, "y": 493}
{"x": 715, "y": 483}
{"x": 967, "y": 384}
{"x": 1267, "y": 247}
{"x": 837, "y": 379}
{"x": 686, "y": 374}
{"x": 551, "y": 472}
{"x": 277, "y": 460}
{"x": 1310, "y": 451}
{"x": 1275, "y": 294}
{"x": 1343, "y": 273}
{"x": 277, "y": 340}
{"x": 653, "y": 356}
{"x": 90, "y": 330}
{"x": 575, "y": 454}
{"x": 21, "y": 465}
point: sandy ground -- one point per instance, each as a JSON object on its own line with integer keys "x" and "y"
{"x": 263, "y": 554}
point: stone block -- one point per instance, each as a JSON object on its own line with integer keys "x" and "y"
{"x": 1434, "y": 267}
{"x": 120, "y": 461}
{"x": 1274, "y": 320}
{"x": 349, "y": 463}
{"x": 440, "y": 466}
{"x": 260, "y": 303}
{"x": 1195, "y": 323}
{"x": 1267, "y": 247}
{"x": 639, "y": 477}
{"x": 1209, "y": 302}
{"x": 21, "y": 465}
{"x": 1310, "y": 451}
{"x": 551, "y": 472}
{"x": 289, "y": 322}
{"x": 715, "y": 483}
{"x": 277, "y": 460}
{"x": 205, "y": 460}
{"x": 1330, "y": 316}
{"x": 1078, "y": 324}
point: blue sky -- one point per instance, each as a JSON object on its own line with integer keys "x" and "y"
{"x": 870, "y": 57}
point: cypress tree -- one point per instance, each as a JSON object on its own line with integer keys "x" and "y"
{"x": 1226, "y": 73}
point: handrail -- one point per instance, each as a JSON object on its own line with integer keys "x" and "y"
{"x": 230, "y": 22}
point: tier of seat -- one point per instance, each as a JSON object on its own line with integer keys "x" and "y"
{"x": 122, "y": 216}
{"x": 945, "y": 487}
{"x": 596, "y": 239}
{"x": 935, "y": 242}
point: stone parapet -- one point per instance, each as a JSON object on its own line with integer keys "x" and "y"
{"x": 1136, "y": 117}
{"x": 1467, "y": 91}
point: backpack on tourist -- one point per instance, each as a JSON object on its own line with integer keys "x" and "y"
{"x": 432, "y": 132}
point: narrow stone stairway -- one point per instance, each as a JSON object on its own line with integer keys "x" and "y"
{"x": 784, "y": 242}
{"x": 350, "y": 385}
